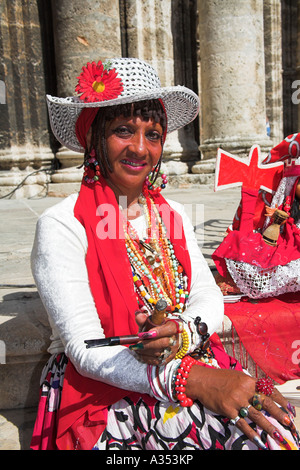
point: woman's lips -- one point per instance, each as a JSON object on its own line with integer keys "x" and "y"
{"x": 133, "y": 163}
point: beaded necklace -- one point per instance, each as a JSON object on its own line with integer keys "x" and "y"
{"x": 156, "y": 271}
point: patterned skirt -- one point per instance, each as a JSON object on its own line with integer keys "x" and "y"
{"x": 140, "y": 422}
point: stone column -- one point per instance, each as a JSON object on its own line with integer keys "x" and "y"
{"x": 150, "y": 28}
{"x": 290, "y": 74}
{"x": 84, "y": 31}
{"x": 232, "y": 76}
{"x": 273, "y": 68}
{"x": 24, "y": 142}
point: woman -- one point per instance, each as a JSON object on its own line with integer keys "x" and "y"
{"x": 106, "y": 260}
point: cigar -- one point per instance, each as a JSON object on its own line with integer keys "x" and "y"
{"x": 158, "y": 317}
{"x": 120, "y": 340}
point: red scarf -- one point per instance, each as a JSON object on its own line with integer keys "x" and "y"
{"x": 83, "y": 409}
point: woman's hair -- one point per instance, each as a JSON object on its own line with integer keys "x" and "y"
{"x": 149, "y": 109}
{"x": 295, "y": 207}
{"x": 295, "y": 210}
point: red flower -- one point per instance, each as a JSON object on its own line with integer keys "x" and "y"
{"x": 95, "y": 83}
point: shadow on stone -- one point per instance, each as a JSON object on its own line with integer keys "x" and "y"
{"x": 25, "y": 332}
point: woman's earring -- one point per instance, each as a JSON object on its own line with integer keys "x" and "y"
{"x": 153, "y": 176}
{"x": 91, "y": 167}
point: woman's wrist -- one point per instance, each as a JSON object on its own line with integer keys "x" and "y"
{"x": 182, "y": 376}
{"x": 161, "y": 380}
{"x": 194, "y": 334}
{"x": 166, "y": 381}
{"x": 189, "y": 335}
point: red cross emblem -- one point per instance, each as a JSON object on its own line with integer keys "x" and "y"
{"x": 232, "y": 171}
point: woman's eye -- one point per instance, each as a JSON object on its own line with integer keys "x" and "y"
{"x": 122, "y": 131}
{"x": 154, "y": 135}
{"x": 126, "y": 132}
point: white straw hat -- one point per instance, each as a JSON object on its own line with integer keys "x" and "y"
{"x": 131, "y": 80}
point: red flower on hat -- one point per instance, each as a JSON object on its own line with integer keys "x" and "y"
{"x": 96, "y": 83}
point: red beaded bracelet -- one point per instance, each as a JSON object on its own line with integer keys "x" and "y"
{"x": 181, "y": 380}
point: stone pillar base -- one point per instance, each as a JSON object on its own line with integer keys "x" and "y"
{"x": 236, "y": 146}
{"x": 180, "y": 154}
{"x": 25, "y": 333}
{"x": 25, "y": 171}
{"x": 71, "y": 169}
{"x": 67, "y": 179}
{"x": 207, "y": 166}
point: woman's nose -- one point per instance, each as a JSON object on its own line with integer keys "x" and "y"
{"x": 138, "y": 144}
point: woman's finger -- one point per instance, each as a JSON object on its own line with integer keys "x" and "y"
{"x": 278, "y": 413}
{"x": 277, "y": 406}
{"x": 279, "y": 398}
{"x": 250, "y": 433}
{"x": 260, "y": 420}
{"x": 266, "y": 426}
{"x": 157, "y": 351}
{"x": 157, "y": 359}
{"x": 156, "y": 344}
{"x": 140, "y": 318}
{"x": 255, "y": 415}
{"x": 169, "y": 328}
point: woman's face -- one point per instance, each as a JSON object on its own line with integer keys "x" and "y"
{"x": 297, "y": 193}
{"x": 133, "y": 147}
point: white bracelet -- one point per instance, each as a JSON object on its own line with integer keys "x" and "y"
{"x": 161, "y": 380}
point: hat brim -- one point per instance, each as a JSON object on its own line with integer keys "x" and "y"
{"x": 181, "y": 106}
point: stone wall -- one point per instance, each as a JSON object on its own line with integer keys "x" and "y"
{"x": 241, "y": 61}
{"x": 24, "y": 136}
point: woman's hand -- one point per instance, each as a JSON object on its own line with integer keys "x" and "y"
{"x": 225, "y": 392}
{"x": 160, "y": 350}
{"x": 221, "y": 391}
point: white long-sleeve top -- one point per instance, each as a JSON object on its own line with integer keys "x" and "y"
{"x": 59, "y": 269}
